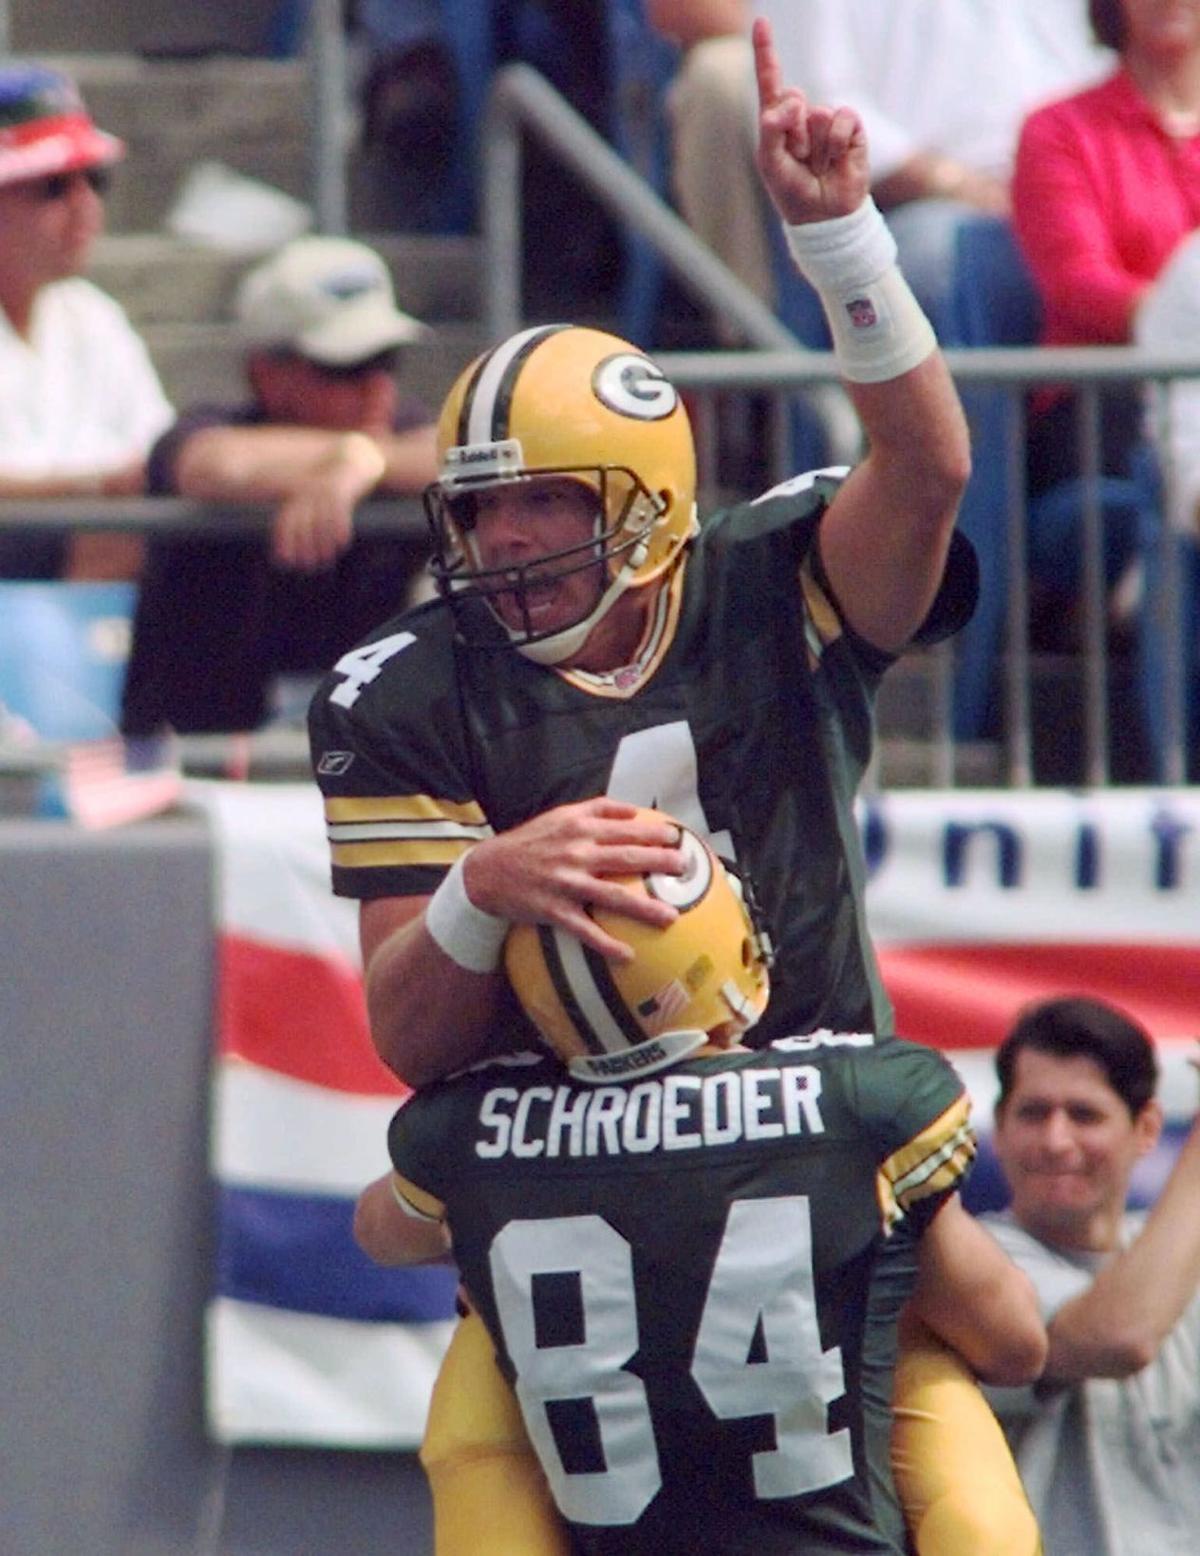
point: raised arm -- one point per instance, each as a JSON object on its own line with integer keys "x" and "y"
{"x": 1115, "y": 1327}
{"x": 885, "y": 538}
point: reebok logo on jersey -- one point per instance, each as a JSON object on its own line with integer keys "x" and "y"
{"x": 334, "y": 763}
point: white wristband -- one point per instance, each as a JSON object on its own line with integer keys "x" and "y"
{"x": 879, "y": 330}
{"x": 845, "y": 252}
{"x": 469, "y": 936}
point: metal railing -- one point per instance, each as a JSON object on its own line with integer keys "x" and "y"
{"x": 1088, "y": 370}
{"x": 520, "y": 99}
{"x": 707, "y": 376}
{"x": 159, "y": 516}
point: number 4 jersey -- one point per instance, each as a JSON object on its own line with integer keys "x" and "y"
{"x": 693, "y": 1281}
{"x": 748, "y": 716}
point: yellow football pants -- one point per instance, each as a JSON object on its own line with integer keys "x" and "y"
{"x": 490, "y": 1497}
{"x": 955, "y": 1476}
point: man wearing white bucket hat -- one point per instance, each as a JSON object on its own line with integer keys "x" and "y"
{"x": 80, "y": 402}
{"x": 326, "y": 427}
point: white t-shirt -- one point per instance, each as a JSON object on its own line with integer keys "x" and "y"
{"x": 1168, "y": 320}
{"x": 81, "y": 394}
{"x": 1111, "y": 1465}
{"x": 950, "y": 76}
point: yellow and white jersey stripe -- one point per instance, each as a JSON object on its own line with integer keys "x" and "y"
{"x": 372, "y": 832}
{"x": 931, "y": 1162}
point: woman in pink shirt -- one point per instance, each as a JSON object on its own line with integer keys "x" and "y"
{"x": 1106, "y": 193}
{"x": 1106, "y": 185}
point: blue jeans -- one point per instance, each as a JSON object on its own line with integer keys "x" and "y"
{"x": 1156, "y": 647}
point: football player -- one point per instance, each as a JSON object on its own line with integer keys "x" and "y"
{"x": 691, "y": 1258}
{"x": 594, "y": 648}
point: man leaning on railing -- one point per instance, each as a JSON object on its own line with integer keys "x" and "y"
{"x": 219, "y": 619}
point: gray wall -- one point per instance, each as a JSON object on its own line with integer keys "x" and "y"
{"x": 105, "y": 1031}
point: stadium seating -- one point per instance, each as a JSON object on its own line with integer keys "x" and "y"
{"x": 995, "y": 304}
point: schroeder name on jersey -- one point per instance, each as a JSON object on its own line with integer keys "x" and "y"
{"x": 676, "y": 1112}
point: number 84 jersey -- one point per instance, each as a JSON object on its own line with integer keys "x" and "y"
{"x": 693, "y": 1281}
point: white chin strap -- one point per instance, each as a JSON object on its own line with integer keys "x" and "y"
{"x": 562, "y": 645}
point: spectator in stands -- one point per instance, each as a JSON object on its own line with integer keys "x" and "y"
{"x": 410, "y": 102}
{"x": 942, "y": 90}
{"x": 428, "y": 70}
{"x": 1107, "y": 185}
{"x": 219, "y": 618}
{"x": 80, "y": 402}
{"x": 1107, "y": 190}
{"x": 710, "y": 105}
{"x": 1108, "y": 1440}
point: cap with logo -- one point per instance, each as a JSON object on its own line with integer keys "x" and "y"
{"x": 45, "y": 128}
{"x": 329, "y": 299}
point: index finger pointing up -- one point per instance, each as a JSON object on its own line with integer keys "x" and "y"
{"x": 766, "y": 64}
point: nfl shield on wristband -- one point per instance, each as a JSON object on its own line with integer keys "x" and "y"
{"x": 879, "y": 330}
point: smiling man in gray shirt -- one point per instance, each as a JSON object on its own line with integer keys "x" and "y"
{"x": 1108, "y": 1440}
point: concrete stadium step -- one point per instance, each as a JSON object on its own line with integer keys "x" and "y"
{"x": 179, "y": 26}
{"x": 907, "y": 707}
{"x": 251, "y": 114}
{"x": 160, "y": 279}
{"x": 905, "y": 763}
{"x": 205, "y": 361}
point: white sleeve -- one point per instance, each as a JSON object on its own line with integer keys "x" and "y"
{"x": 144, "y": 410}
{"x": 83, "y": 395}
{"x": 1168, "y": 319}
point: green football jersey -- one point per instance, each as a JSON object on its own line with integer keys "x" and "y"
{"x": 748, "y": 717}
{"x": 693, "y": 1281}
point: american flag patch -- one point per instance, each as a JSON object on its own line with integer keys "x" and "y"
{"x": 663, "y": 1006}
{"x": 102, "y": 787}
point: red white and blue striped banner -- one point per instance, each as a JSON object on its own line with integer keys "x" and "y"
{"x": 308, "y": 1341}
{"x": 979, "y": 902}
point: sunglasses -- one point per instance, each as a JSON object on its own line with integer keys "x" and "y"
{"x": 56, "y": 186}
{"x": 381, "y": 362}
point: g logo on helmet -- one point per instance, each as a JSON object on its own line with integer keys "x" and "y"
{"x": 633, "y": 386}
{"x": 702, "y": 976}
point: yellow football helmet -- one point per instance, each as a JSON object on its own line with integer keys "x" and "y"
{"x": 564, "y": 400}
{"x": 704, "y": 976}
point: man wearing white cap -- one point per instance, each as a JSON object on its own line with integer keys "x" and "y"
{"x": 80, "y": 402}
{"x": 219, "y": 619}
